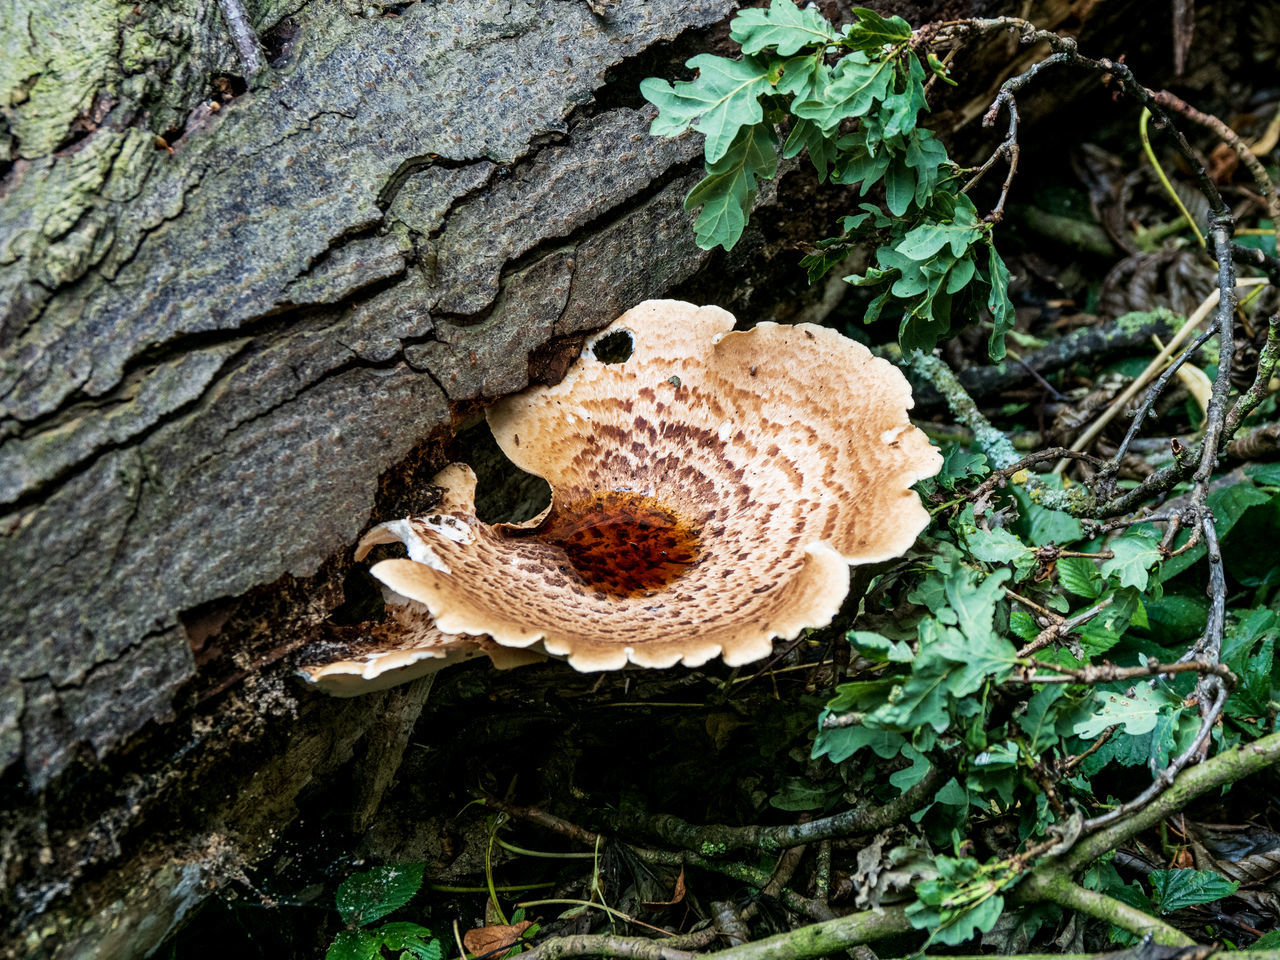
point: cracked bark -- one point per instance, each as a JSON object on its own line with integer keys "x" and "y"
{"x": 226, "y": 352}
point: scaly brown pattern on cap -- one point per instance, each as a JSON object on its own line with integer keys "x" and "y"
{"x": 786, "y": 450}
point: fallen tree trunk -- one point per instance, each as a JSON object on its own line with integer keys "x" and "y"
{"x": 240, "y": 317}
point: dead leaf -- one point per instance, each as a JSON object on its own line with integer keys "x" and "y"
{"x": 495, "y": 939}
{"x": 676, "y": 895}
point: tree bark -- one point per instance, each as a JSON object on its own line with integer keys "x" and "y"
{"x": 240, "y": 318}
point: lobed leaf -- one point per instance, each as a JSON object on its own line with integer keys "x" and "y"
{"x": 1135, "y": 554}
{"x": 856, "y": 83}
{"x": 729, "y": 189}
{"x": 783, "y": 27}
{"x": 723, "y": 99}
{"x": 1136, "y": 711}
{"x": 998, "y": 302}
{"x": 872, "y": 31}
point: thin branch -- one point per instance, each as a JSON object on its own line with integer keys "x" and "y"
{"x": 1057, "y": 887}
{"x": 1109, "y": 673}
{"x": 597, "y": 945}
{"x": 242, "y": 35}
{"x": 1268, "y": 360}
{"x": 1155, "y": 391}
{"x": 998, "y": 477}
{"x": 1218, "y": 771}
{"x": 1238, "y": 146}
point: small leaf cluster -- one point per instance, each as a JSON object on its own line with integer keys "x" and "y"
{"x": 849, "y": 98}
{"x": 363, "y": 899}
{"x": 943, "y": 683}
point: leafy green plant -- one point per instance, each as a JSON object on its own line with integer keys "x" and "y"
{"x": 851, "y": 100}
{"x": 1038, "y": 733}
{"x": 363, "y": 899}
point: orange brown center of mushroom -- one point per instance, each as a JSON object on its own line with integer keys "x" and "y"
{"x": 710, "y": 491}
{"x": 622, "y": 543}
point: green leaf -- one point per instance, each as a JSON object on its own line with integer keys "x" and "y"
{"x": 960, "y": 463}
{"x": 1136, "y": 711}
{"x": 928, "y": 239}
{"x": 365, "y": 897}
{"x": 856, "y": 83}
{"x": 1105, "y": 630}
{"x": 1040, "y": 721}
{"x": 855, "y": 164}
{"x": 875, "y": 647}
{"x": 1023, "y": 625}
{"x": 798, "y": 793}
{"x": 354, "y": 945}
{"x": 804, "y": 77}
{"x": 1042, "y": 525}
{"x": 908, "y": 777}
{"x": 784, "y": 27}
{"x": 899, "y": 187}
{"x": 1254, "y": 695}
{"x": 841, "y": 743}
{"x": 1079, "y": 575}
{"x": 728, "y": 191}
{"x": 1244, "y": 629}
{"x": 1001, "y": 546}
{"x": 1134, "y": 896}
{"x": 1135, "y": 554}
{"x": 926, "y": 155}
{"x": 952, "y": 924}
{"x": 1175, "y": 618}
{"x": 806, "y": 135}
{"x": 1175, "y": 889}
{"x": 723, "y": 99}
{"x": 1264, "y": 475}
{"x": 871, "y": 31}
{"x": 973, "y": 603}
{"x": 998, "y": 302}
{"x": 959, "y": 649}
{"x": 415, "y": 938}
{"x": 902, "y": 108}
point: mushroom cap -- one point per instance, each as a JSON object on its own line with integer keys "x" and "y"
{"x": 709, "y": 493}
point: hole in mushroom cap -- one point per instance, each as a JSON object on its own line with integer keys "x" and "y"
{"x": 614, "y": 347}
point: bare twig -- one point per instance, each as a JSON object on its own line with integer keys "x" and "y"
{"x": 719, "y": 840}
{"x": 1110, "y": 673}
{"x": 242, "y": 35}
{"x": 1008, "y": 149}
{"x": 1238, "y": 146}
{"x": 1268, "y": 360}
{"x": 1071, "y": 763}
{"x": 998, "y": 477}
{"x": 1060, "y": 627}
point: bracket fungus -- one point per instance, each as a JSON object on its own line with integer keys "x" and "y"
{"x": 710, "y": 490}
